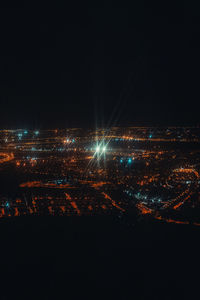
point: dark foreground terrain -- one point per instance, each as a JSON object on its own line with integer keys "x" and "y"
{"x": 97, "y": 258}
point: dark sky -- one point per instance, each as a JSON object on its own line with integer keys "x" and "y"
{"x": 99, "y": 63}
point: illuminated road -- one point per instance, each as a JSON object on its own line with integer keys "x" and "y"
{"x": 5, "y": 157}
{"x": 173, "y": 204}
{"x": 100, "y": 172}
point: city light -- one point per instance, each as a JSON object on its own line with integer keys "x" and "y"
{"x": 130, "y": 160}
{"x": 101, "y": 148}
{"x": 89, "y": 166}
{"x": 97, "y": 149}
{"x": 7, "y": 205}
{"x": 20, "y": 136}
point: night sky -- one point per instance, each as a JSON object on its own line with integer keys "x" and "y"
{"x": 99, "y": 63}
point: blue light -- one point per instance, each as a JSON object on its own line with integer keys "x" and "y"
{"x": 25, "y": 131}
{"x": 7, "y": 204}
{"x": 20, "y": 136}
{"x": 150, "y": 136}
{"x": 121, "y": 160}
{"x": 73, "y": 141}
{"x": 36, "y": 132}
{"x": 130, "y": 160}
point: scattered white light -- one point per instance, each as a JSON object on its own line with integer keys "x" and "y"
{"x": 97, "y": 149}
